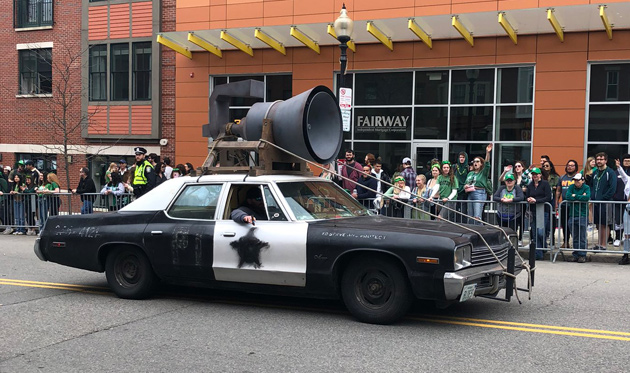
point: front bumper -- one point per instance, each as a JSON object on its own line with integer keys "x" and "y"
{"x": 489, "y": 279}
{"x": 38, "y": 251}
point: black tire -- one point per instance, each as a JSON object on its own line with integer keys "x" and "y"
{"x": 375, "y": 290}
{"x": 129, "y": 273}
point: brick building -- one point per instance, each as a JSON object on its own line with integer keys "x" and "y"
{"x": 97, "y": 63}
{"x": 532, "y": 77}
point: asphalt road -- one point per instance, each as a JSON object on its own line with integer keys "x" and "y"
{"x": 57, "y": 319}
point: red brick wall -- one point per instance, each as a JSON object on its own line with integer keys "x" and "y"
{"x": 167, "y": 85}
{"x": 20, "y": 116}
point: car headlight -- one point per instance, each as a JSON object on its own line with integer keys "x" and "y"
{"x": 462, "y": 256}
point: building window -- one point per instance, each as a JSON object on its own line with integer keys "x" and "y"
{"x": 142, "y": 71}
{"x": 130, "y": 72}
{"x": 457, "y": 109}
{"x": 42, "y": 162}
{"x": 35, "y": 66}
{"x": 277, "y": 87}
{"x": 612, "y": 85}
{"x": 33, "y": 13}
{"x": 608, "y": 110}
{"x": 119, "y": 72}
{"x": 98, "y": 73}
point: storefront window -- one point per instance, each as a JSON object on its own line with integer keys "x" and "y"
{"x": 382, "y": 123}
{"x": 277, "y": 87}
{"x": 609, "y": 110}
{"x": 431, "y": 87}
{"x": 383, "y": 89}
{"x": 515, "y": 85}
{"x": 610, "y": 82}
{"x": 472, "y": 123}
{"x": 452, "y": 109}
{"x": 514, "y": 123}
{"x": 430, "y": 123}
{"x": 391, "y": 154}
{"x": 608, "y": 123}
{"x": 472, "y": 86}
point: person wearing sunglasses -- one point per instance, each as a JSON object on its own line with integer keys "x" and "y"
{"x": 478, "y": 185}
{"x": 252, "y": 210}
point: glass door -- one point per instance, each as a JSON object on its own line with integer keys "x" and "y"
{"x": 425, "y": 152}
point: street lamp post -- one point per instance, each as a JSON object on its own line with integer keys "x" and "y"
{"x": 343, "y": 28}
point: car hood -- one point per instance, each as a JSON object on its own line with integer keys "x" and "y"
{"x": 415, "y": 228}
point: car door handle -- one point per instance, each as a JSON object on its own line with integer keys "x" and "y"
{"x": 156, "y": 233}
{"x": 229, "y": 234}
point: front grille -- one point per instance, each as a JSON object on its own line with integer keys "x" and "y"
{"x": 482, "y": 256}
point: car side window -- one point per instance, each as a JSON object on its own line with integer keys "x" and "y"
{"x": 273, "y": 209}
{"x": 196, "y": 202}
{"x": 238, "y": 196}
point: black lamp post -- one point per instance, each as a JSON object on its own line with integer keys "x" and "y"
{"x": 343, "y": 28}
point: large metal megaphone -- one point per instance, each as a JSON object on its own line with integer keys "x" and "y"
{"x": 308, "y": 124}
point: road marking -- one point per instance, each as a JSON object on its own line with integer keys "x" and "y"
{"x": 52, "y": 285}
{"x": 452, "y": 320}
{"x": 542, "y": 328}
{"x": 530, "y": 325}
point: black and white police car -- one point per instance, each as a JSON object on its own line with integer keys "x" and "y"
{"x": 317, "y": 241}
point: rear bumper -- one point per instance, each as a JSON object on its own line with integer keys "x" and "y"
{"x": 489, "y": 279}
{"x": 38, "y": 251}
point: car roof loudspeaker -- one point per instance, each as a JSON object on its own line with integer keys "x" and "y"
{"x": 308, "y": 124}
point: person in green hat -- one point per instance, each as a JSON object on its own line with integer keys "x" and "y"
{"x": 539, "y": 191}
{"x": 17, "y": 170}
{"x": 509, "y": 195}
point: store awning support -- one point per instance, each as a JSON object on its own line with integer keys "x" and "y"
{"x": 331, "y": 32}
{"x": 237, "y": 43}
{"x": 463, "y": 31}
{"x": 508, "y": 27}
{"x": 273, "y": 43}
{"x": 378, "y": 34}
{"x": 604, "y": 17}
{"x": 426, "y": 39}
{"x": 204, "y": 44}
{"x": 304, "y": 39}
{"x": 174, "y": 46}
{"x": 551, "y": 17}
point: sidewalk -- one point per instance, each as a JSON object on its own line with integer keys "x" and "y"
{"x": 590, "y": 257}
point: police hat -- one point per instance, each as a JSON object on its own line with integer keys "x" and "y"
{"x": 139, "y": 150}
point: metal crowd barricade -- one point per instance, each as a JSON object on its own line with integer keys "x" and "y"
{"x": 605, "y": 220}
{"x": 517, "y": 216}
{"x": 27, "y": 212}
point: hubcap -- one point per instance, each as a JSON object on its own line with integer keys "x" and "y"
{"x": 128, "y": 270}
{"x": 374, "y": 288}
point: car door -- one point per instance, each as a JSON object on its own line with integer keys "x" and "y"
{"x": 180, "y": 239}
{"x": 272, "y": 251}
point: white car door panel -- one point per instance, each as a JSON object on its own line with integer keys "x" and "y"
{"x": 272, "y": 252}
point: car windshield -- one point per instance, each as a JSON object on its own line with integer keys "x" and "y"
{"x": 311, "y": 200}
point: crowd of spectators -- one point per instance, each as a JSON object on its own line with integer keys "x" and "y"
{"x": 29, "y": 196}
{"x": 449, "y": 190}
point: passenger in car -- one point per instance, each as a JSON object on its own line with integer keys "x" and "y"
{"x": 252, "y": 210}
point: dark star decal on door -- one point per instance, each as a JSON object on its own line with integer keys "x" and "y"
{"x": 248, "y": 248}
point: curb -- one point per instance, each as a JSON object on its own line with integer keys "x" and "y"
{"x": 602, "y": 257}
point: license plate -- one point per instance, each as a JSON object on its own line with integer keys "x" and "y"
{"x": 468, "y": 292}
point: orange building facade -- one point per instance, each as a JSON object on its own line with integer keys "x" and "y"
{"x": 563, "y": 93}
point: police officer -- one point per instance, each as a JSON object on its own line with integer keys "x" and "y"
{"x": 143, "y": 174}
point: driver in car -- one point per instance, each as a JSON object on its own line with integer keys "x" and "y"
{"x": 252, "y": 210}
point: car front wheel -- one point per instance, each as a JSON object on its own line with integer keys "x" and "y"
{"x": 129, "y": 273}
{"x": 375, "y": 290}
